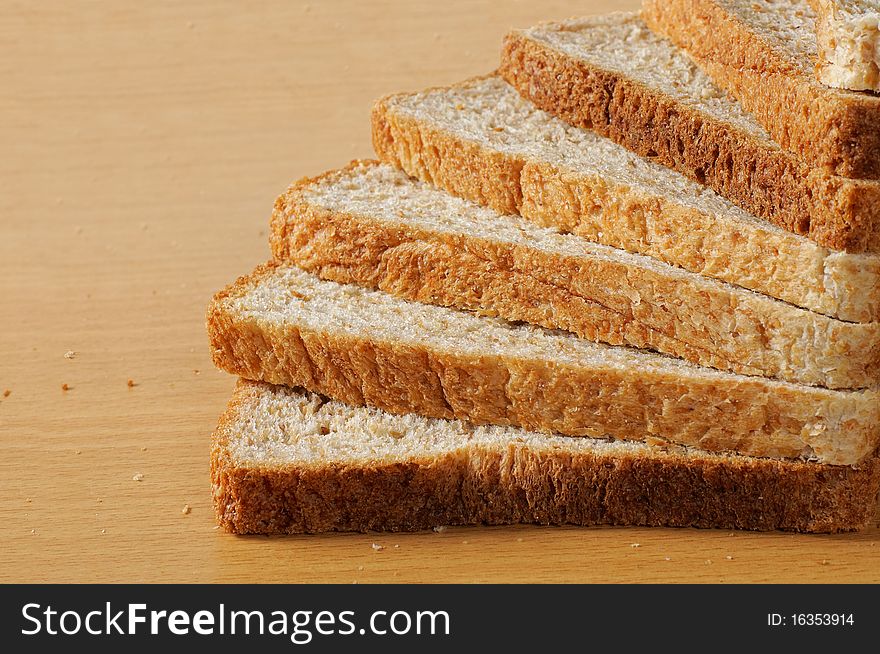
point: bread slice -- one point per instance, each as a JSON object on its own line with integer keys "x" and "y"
{"x": 611, "y": 74}
{"x": 372, "y": 225}
{"x": 286, "y": 326}
{"x": 848, "y": 39}
{"x": 764, "y": 52}
{"x": 286, "y": 461}
{"x": 481, "y": 140}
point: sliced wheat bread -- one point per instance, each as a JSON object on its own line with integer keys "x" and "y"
{"x": 372, "y": 225}
{"x": 848, "y": 40}
{"x": 289, "y": 461}
{"x": 764, "y": 53}
{"x": 613, "y": 75}
{"x": 481, "y": 140}
{"x": 286, "y": 326}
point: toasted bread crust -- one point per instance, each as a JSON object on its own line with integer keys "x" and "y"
{"x": 832, "y": 211}
{"x": 596, "y": 298}
{"x": 604, "y": 211}
{"x": 519, "y": 484}
{"x": 832, "y": 129}
{"x": 741, "y": 414}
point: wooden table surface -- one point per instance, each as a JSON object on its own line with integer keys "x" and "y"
{"x": 143, "y": 146}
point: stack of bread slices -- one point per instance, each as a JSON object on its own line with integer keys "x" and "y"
{"x": 631, "y": 278}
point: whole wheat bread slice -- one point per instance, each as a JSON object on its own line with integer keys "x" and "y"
{"x": 285, "y": 461}
{"x": 286, "y": 326}
{"x": 372, "y": 225}
{"x": 481, "y": 140}
{"x": 764, "y": 52}
{"x": 613, "y": 75}
{"x": 848, "y": 40}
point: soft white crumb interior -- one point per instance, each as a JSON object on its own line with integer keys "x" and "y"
{"x": 275, "y": 425}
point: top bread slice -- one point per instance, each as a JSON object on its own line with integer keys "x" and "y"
{"x": 481, "y": 140}
{"x": 285, "y": 326}
{"x": 372, "y": 225}
{"x": 764, "y": 53}
{"x": 848, "y": 37}
{"x": 287, "y": 461}
{"x": 613, "y": 75}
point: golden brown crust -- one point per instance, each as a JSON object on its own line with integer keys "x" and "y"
{"x": 748, "y": 415}
{"x": 599, "y": 299}
{"x": 835, "y": 212}
{"x": 515, "y": 484}
{"x": 605, "y": 211}
{"x": 832, "y": 129}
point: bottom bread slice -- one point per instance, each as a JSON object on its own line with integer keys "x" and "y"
{"x": 289, "y": 461}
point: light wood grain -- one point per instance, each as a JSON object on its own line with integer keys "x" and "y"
{"x": 143, "y": 146}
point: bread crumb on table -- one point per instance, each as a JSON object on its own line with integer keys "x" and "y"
{"x": 131, "y": 383}
{"x": 69, "y": 354}
{"x": 635, "y": 545}
{"x": 137, "y": 477}
{"x": 440, "y": 529}
{"x": 377, "y": 547}
{"x": 65, "y": 387}
{"x": 186, "y": 510}
{"x": 7, "y": 393}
